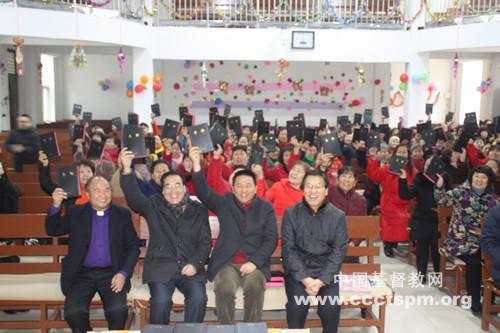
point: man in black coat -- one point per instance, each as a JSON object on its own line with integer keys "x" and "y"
{"x": 314, "y": 245}
{"x": 248, "y": 236}
{"x": 24, "y": 143}
{"x": 179, "y": 243}
{"x": 103, "y": 250}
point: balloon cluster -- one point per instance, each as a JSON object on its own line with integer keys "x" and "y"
{"x": 403, "y": 84}
{"x": 104, "y": 84}
{"x": 143, "y": 84}
{"x": 417, "y": 78}
{"x": 432, "y": 88}
{"x": 485, "y": 84}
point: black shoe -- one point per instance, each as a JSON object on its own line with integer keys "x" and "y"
{"x": 478, "y": 313}
{"x": 388, "y": 251}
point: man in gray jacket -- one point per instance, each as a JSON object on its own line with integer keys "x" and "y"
{"x": 179, "y": 243}
{"x": 314, "y": 245}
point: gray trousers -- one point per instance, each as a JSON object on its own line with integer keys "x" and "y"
{"x": 227, "y": 281}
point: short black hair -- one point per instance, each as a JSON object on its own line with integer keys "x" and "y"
{"x": 347, "y": 169}
{"x": 244, "y": 172}
{"x": 91, "y": 180}
{"x": 315, "y": 173}
{"x": 172, "y": 173}
{"x": 25, "y": 115}
{"x": 144, "y": 124}
{"x": 87, "y": 163}
{"x": 158, "y": 162}
{"x": 486, "y": 170}
{"x": 240, "y": 147}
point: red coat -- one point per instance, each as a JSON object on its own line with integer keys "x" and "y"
{"x": 351, "y": 203}
{"x": 475, "y": 157}
{"x": 278, "y": 172}
{"x": 283, "y": 195}
{"x": 393, "y": 209}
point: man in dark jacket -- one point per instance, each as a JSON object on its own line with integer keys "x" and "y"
{"x": 23, "y": 143}
{"x": 179, "y": 243}
{"x": 490, "y": 241}
{"x": 314, "y": 245}
{"x": 103, "y": 250}
{"x": 248, "y": 236}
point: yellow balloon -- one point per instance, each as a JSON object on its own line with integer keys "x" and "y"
{"x": 144, "y": 79}
{"x": 156, "y": 78}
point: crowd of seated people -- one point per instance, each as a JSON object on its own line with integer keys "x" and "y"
{"x": 298, "y": 182}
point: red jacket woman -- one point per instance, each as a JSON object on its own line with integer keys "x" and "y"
{"x": 393, "y": 209}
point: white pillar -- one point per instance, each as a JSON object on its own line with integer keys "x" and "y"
{"x": 416, "y": 94}
{"x": 143, "y": 65}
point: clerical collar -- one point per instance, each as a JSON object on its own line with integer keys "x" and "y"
{"x": 101, "y": 213}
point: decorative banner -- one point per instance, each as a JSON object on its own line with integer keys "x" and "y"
{"x": 19, "y": 41}
{"x": 310, "y": 86}
{"x": 268, "y": 104}
{"x": 361, "y": 73}
{"x": 121, "y": 60}
{"x": 78, "y": 58}
{"x": 454, "y": 67}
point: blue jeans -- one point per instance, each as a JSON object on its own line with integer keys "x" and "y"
{"x": 195, "y": 295}
{"x": 296, "y": 314}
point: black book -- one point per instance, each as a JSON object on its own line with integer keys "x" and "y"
{"x": 436, "y": 167}
{"x": 259, "y": 114}
{"x": 360, "y": 134}
{"x": 256, "y": 154}
{"x": 496, "y": 125}
{"x": 294, "y": 129}
{"x": 151, "y": 328}
{"x": 117, "y": 121}
{"x": 190, "y": 327}
{"x": 428, "y": 108}
{"x": 133, "y": 140}
{"x": 397, "y": 163}
{"x": 68, "y": 178}
{"x": 155, "y": 109}
{"x": 255, "y": 124}
{"x": 309, "y": 135}
{"x": 182, "y": 111}
{"x": 331, "y": 144}
{"x": 77, "y": 110}
{"x": 323, "y": 123}
{"x": 429, "y": 137}
{"x": 222, "y": 120}
{"x": 461, "y": 142}
{"x": 440, "y": 134}
{"x": 227, "y": 110}
{"x": 470, "y": 117}
{"x": 263, "y": 127}
{"x": 212, "y": 114}
{"x": 187, "y": 120}
{"x": 373, "y": 140}
{"x": 385, "y": 111}
{"x": 358, "y": 118}
{"x": 251, "y": 328}
{"x": 170, "y": 129}
{"x": 49, "y": 144}
{"x": 150, "y": 144}
{"x": 368, "y": 116}
{"x": 133, "y": 119}
{"x": 421, "y": 127}
{"x": 235, "y": 125}
{"x": 95, "y": 150}
{"x": 406, "y": 134}
{"x": 384, "y": 128}
{"x": 470, "y": 128}
{"x": 221, "y": 329}
{"x": 449, "y": 117}
{"x": 269, "y": 141}
{"x": 86, "y": 118}
{"x": 218, "y": 134}
{"x": 77, "y": 131}
{"x": 301, "y": 116}
{"x": 342, "y": 121}
{"x": 200, "y": 137}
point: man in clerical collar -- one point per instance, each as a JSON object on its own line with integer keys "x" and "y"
{"x": 314, "y": 246}
{"x": 102, "y": 253}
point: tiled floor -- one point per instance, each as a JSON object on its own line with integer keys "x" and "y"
{"x": 399, "y": 319}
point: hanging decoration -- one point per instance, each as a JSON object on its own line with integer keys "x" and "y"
{"x": 157, "y": 83}
{"x": 432, "y": 88}
{"x": 19, "y": 41}
{"x": 455, "y": 66}
{"x": 249, "y": 90}
{"x": 280, "y": 73}
{"x": 417, "y": 78}
{"x": 40, "y": 72}
{"x": 130, "y": 88}
{"x": 121, "y": 60}
{"x": 484, "y": 86}
{"x": 78, "y": 58}
{"x": 403, "y": 84}
{"x": 361, "y": 74}
{"x": 104, "y": 84}
{"x": 297, "y": 85}
{"x": 223, "y": 85}
{"x": 204, "y": 74}
{"x": 397, "y": 100}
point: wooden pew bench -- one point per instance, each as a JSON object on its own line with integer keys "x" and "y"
{"x": 364, "y": 227}
{"x": 34, "y": 283}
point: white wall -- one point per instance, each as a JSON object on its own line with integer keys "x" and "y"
{"x": 243, "y": 72}
{"x": 30, "y": 89}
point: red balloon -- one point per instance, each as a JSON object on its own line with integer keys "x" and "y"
{"x": 403, "y": 77}
{"x": 377, "y": 82}
{"x": 138, "y": 88}
{"x": 355, "y": 102}
{"x": 157, "y": 87}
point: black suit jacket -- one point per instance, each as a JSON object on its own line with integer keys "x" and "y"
{"x": 77, "y": 222}
{"x": 258, "y": 240}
